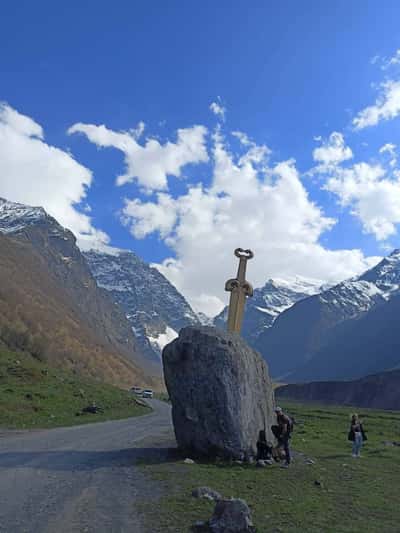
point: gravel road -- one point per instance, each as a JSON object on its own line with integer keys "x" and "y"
{"x": 82, "y": 478}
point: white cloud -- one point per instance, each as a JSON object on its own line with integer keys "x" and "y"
{"x": 152, "y": 163}
{"x": 218, "y": 109}
{"x": 390, "y": 148}
{"x": 386, "y": 63}
{"x": 373, "y": 197}
{"x": 332, "y": 150}
{"x": 248, "y": 204}
{"x": 36, "y": 173}
{"x": 387, "y": 106}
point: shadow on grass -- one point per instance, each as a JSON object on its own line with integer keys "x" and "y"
{"x": 73, "y": 460}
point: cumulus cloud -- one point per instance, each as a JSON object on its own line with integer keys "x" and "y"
{"x": 151, "y": 163}
{"x": 372, "y": 195}
{"x": 249, "y": 203}
{"x": 387, "y": 106}
{"x": 332, "y": 150}
{"x": 36, "y": 173}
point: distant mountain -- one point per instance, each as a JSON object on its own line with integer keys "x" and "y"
{"x": 367, "y": 344}
{"x": 267, "y": 303}
{"x": 50, "y": 303}
{"x": 378, "y": 391}
{"x": 301, "y": 337}
{"x": 154, "y": 308}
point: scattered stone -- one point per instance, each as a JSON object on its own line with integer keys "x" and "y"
{"x": 231, "y": 516}
{"x": 318, "y": 483}
{"x": 220, "y": 391}
{"x": 310, "y": 462}
{"x": 207, "y": 493}
{"x": 391, "y": 443}
{"x": 200, "y": 525}
{"x": 188, "y": 461}
{"x": 92, "y": 409}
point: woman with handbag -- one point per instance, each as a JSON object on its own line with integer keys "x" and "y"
{"x": 357, "y": 435}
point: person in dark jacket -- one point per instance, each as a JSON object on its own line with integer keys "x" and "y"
{"x": 357, "y": 435}
{"x": 264, "y": 449}
{"x": 282, "y": 433}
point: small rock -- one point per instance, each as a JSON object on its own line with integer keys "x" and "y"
{"x": 231, "y": 516}
{"x": 318, "y": 483}
{"x": 310, "y": 462}
{"x": 188, "y": 461}
{"x": 206, "y": 492}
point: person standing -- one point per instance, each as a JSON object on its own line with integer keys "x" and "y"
{"x": 357, "y": 435}
{"x": 282, "y": 432}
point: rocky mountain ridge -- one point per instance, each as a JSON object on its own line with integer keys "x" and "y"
{"x": 154, "y": 308}
{"x": 50, "y": 303}
{"x": 376, "y": 391}
{"x": 316, "y": 322}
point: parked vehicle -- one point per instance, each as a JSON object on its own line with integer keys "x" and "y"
{"x": 137, "y": 390}
{"x": 147, "y": 393}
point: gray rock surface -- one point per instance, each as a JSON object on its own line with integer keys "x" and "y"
{"x": 220, "y": 391}
{"x": 231, "y": 516}
{"x": 207, "y": 493}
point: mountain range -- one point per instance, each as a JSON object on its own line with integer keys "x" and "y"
{"x": 346, "y": 331}
{"x": 109, "y": 313}
{"x": 51, "y": 306}
{"x": 376, "y": 391}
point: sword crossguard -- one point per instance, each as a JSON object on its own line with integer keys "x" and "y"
{"x": 234, "y": 283}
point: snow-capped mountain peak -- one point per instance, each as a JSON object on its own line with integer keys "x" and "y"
{"x": 14, "y": 216}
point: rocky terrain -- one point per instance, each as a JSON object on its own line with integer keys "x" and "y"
{"x": 51, "y": 306}
{"x": 378, "y": 391}
{"x": 155, "y": 310}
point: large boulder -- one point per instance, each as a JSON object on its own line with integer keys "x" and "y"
{"x": 220, "y": 391}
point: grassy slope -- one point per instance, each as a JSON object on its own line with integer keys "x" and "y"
{"x": 33, "y": 395}
{"x": 356, "y": 494}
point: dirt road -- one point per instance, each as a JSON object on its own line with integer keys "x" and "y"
{"x": 82, "y": 478}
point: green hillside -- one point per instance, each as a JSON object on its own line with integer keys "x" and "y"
{"x": 33, "y": 395}
{"x": 351, "y": 495}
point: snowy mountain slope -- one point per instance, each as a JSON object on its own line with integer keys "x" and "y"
{"x": 14, "y": 216}
{"x": 310, "y": 325}
{"x": 155, "y": 309}
{"x": 268, "y": 302}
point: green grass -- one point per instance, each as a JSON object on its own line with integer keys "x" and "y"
{"x": 33, "y": 395}
{"x": 356, "y": 495}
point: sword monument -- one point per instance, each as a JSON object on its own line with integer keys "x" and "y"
{"x": 239, "y": 288}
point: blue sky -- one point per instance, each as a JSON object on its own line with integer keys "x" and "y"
{"x": 287, "y": 74}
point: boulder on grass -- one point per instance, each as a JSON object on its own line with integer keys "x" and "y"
{"x": 220, "y": 391}
{"x": 231, "y": 516}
